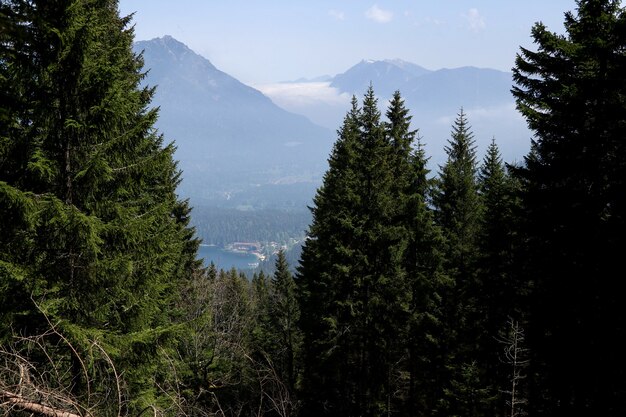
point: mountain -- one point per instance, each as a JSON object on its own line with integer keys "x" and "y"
{"x": 233, "y": 142}
{"x": 434, "y": 97}
{"x": 386, "y": 76}
{"x": 319, "y": 79}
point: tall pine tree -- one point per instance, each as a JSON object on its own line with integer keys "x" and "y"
{"x": 499, "y": 293}
{"x": 92, "y": 229}
{"x": 324, "y": 274}
{"x": 351, "y": 274}
{"x": 285, "y": 313}
{"x": 571, "y": 91}
{"x": 427, "y": 282}
{"x": 458, "y": 211}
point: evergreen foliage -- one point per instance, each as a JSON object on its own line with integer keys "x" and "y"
{"x": 284, "y": 316}
{"x": 360, "y": 256}
{"x": 407, "y": 288}
{"x": 457, "y": 201}
{"x": 458, "y": 211}
{"x": 422, "y": 263}
{"x": 571, "y": 92}
{"x": 91, "y": 227}
{"x": 500, "y": 292}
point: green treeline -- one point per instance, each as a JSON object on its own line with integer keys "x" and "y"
{"x": 220, "y": 226}
{"x": 480, "y": 289}
{"x": 94, "y": 243}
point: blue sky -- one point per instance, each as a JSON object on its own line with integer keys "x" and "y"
{"x": 268, "y": 41}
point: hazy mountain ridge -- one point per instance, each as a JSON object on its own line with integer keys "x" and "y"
{"x": 231, "y": 139}
{"x": 434, "y": 97}
{"x": 468, "y": 85}
{"x": 238, "y": 148}
{"x": 386, "y": 76}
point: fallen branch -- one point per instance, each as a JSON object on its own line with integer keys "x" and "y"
{"x": 24, "y": 404}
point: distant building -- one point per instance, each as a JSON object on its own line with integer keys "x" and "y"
{"x": 246, "y": 246}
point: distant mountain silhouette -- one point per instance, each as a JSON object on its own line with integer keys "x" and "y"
{"x": 424, "y": 89}
{"x": 386, "y": 76}
{"x": 232, "y": 141}
{"x": 237, "y": 148}
{"x": 434, "y": 97}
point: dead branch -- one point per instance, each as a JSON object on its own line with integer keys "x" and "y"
{"x": 12, "y": 400}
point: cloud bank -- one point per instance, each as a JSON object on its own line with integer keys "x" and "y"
{"x": 318, "y": 101}
{"x": 475, "y": 21}
{"x": 337, "y": 14}
{"x": 378, "y": 15}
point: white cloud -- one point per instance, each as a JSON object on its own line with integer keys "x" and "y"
{"x": 337, "y": 14}
{"x": 318, "y": 101}
{"x": 475, "y": 21}
{"x": 303, "y": 93}
{"x": 379, "y": 15}
{"x": 433, "y": 21}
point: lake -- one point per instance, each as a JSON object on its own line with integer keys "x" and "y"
{"x": 224, "y": 259}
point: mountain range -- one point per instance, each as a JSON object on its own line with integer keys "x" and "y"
{"x": 237, "y": 148}
{"x": 233, "y": 142}
{"x": 434, "y": 97}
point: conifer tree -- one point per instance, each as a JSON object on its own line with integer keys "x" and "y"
{"x": 499, "y": 294}
{"x": 351, "y": 273}
{"x": 92, "y": 229}
{"x": 458, "y": 212}
{"x": 571, "y": 92}
{"x": 401, "y": 139}
{"x": 427, "y": 282}
{"x": 457, "y": 201}
{"x": 264, "y": 339}
{"x": 324, "y": 271}
{"x": 419, "y": 326}
{"x": 285, "y": 313}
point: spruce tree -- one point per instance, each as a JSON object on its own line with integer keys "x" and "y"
{"x": 427, "y": 283}
{"x": 285, "y": 313}
{"x": 457, "y": 201}
{"x": 571, "y": 92}
{"x": 458, "y": 212}
{"x": 351, "y": 273}
{"x": 499, "y": 292}
{"x": 324, "y": 267}
{"x": 264, "y": 339}
{"x": 92, "y": 229}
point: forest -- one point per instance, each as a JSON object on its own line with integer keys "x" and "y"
{"x": 479, "y": 289}
{"x": 221, "y": 226}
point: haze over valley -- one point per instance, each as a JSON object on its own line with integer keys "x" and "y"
{"x": 248, "y": 148}
{"x": 312, "y": 209}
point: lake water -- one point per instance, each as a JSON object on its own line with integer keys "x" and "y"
{"x": 224, "y": 259}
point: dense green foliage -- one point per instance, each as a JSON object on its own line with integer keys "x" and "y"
{"x": 93, "y": 238}
{"x": 571, "y": 91}
{"x": 221, "y": 226}
{"x": 484, "y": 290}
{"x": 358, "y": 316}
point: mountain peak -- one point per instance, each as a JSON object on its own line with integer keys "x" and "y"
{"x": 171, "y": 43}
{"x": 228, "y": 134}
{"x": 386, "y": 75}
{"x": 168, "y": 45}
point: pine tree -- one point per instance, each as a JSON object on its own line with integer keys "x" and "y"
{"x": 571, "y": 92}
{"x": 351, "y": 272}
{"x": 92, "y": 229}
{"x": 285, "y": 314}
{"x": 457, "y": 201}
{"x": 264, "y": 339}
{"x": 458, "y": 212}
{"x": 500, "y": 293}
{"x": 324, "y": 270}
{"x": 427, "y": 282}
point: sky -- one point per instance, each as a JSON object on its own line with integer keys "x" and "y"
{"x": 262, "y": 42}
